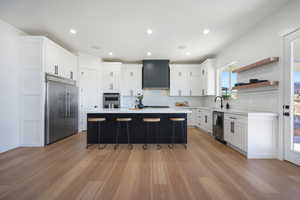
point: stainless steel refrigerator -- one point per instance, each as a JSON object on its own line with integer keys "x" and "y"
{"x": 61, "y": 108}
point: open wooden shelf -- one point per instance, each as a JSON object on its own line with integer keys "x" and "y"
{"x": 257, "y": 64}
{"x": 257, "y": 85}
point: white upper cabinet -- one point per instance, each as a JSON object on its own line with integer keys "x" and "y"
{"x": 178, "y": 81}
{"x": 131, "y": 79}
{"x": 60, "y": 61}
{"x": 111, "y": 77}
{"x": 192, "y": 79}
{"x": 208, "y": 85}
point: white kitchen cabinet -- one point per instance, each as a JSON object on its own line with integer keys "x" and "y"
{"x": 253, "y": 135}
{"x": 59, "y": 61}
{"x": 208, "y": 86}
{"x": 192, "y": 79}
{"x": 111, "y": 77}
{"x": 178, "y": 81}
{"x": 38, "y": 55}
{"x": 207, "y": 120}
{"x": 204, "y": 119}
{"x": 192, "y": 117}
{"x": 131, "y": 79}
{"x": 235, "y": 131}
{"x": 199, "y": 118}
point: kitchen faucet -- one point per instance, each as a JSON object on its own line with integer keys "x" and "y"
{"x": 220, "y": 97}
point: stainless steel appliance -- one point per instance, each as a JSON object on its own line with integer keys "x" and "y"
{"x": 61, "y": 108}
{"x": 218, "y": 126}
{"x": 111, "y": 100}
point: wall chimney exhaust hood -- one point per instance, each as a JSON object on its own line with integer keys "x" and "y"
{"x": 156, "y": 74}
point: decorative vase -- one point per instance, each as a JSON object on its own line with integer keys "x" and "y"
{"x": 140, "y": 105}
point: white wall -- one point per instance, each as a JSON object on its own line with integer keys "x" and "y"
{"x": 9, "y": 86}
{"x": 262, "y": 41}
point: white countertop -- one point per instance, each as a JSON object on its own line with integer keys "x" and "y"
{"x": 232, "y": 111}
{"x": 145, "y": 110}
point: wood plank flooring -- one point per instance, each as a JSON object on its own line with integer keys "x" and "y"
{"x": 206, "y": 170}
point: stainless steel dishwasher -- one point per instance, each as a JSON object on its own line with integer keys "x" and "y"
{"x": 218, "y": 126}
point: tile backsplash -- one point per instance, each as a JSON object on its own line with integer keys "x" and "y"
{"x": 161, "y": 98}
{"x": 256, "y": 101}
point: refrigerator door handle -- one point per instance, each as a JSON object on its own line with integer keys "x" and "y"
{"x": 69, "y": 100}
{"x": 66, "y": 104}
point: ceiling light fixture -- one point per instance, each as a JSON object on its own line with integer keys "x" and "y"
{"x": 95, "y": 47}
{"x": 206, "y": 31}
{"x": 149, "y": 53}
{"x": 149, "y": 31}
{"x": 73, "y": 31}
{"x": 110, "y": 53}
{"x": 187, "y": 53}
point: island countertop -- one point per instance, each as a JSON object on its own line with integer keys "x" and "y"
{"x": 144, "y": 110}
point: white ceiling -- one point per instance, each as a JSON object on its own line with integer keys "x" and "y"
{"x": 119, "y": 26}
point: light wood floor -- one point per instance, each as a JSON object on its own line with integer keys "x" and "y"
{"x": 206, "y": 170}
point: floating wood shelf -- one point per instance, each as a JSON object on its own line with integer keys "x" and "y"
{"x": 257, "y": 85}
{"x": 257, "y": 64}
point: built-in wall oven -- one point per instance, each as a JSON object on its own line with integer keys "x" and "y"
{"x": 111, "y": 100}
{"x": 218, "y": 126}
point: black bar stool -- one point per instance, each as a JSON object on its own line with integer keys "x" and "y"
{"x": 148, "y": 121}
{"x": 174, "y": 121}
{"x": 98, "y": 121}
{"x": 126, "y": 121}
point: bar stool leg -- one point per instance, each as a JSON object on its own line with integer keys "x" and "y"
{"x": 117, "y": 136}
{"x": 183, "y": 135}
{"x": 145, "y": 146}
{"x": 128, "y": 137}
{"x": 171, "y": 146}
{"x": 157, "y": 136}
{"x": 99, "y": 134}
{"x": 99, "y": 137}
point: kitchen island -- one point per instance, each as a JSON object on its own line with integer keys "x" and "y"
{"x": 137, "y": 127}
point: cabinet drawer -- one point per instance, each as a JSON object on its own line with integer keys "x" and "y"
{"x": 233, "y": 117}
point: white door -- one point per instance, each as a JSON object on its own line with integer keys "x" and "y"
{"x": 292, "y": 98}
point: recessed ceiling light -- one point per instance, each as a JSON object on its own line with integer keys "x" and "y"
{"x": 149, "y": 53}
{"x": 149, "y": 31}
{"x": 181, "y": 47}
{"x": 73, "y": 31}
{"x": 110, "y": 53}
{"x": 187, "y": 53}
{"x": 95, "y": 47}
{"x": 206, "y": 31}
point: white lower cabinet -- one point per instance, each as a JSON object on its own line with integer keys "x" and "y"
{"x": 235, "y": 131}
{"x": 204, "y": 119}
{"x": 192, "y": 117}
{"x": 253, "y": 135}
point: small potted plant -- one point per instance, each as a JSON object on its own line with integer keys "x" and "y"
{"x": 140, "y": 98}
